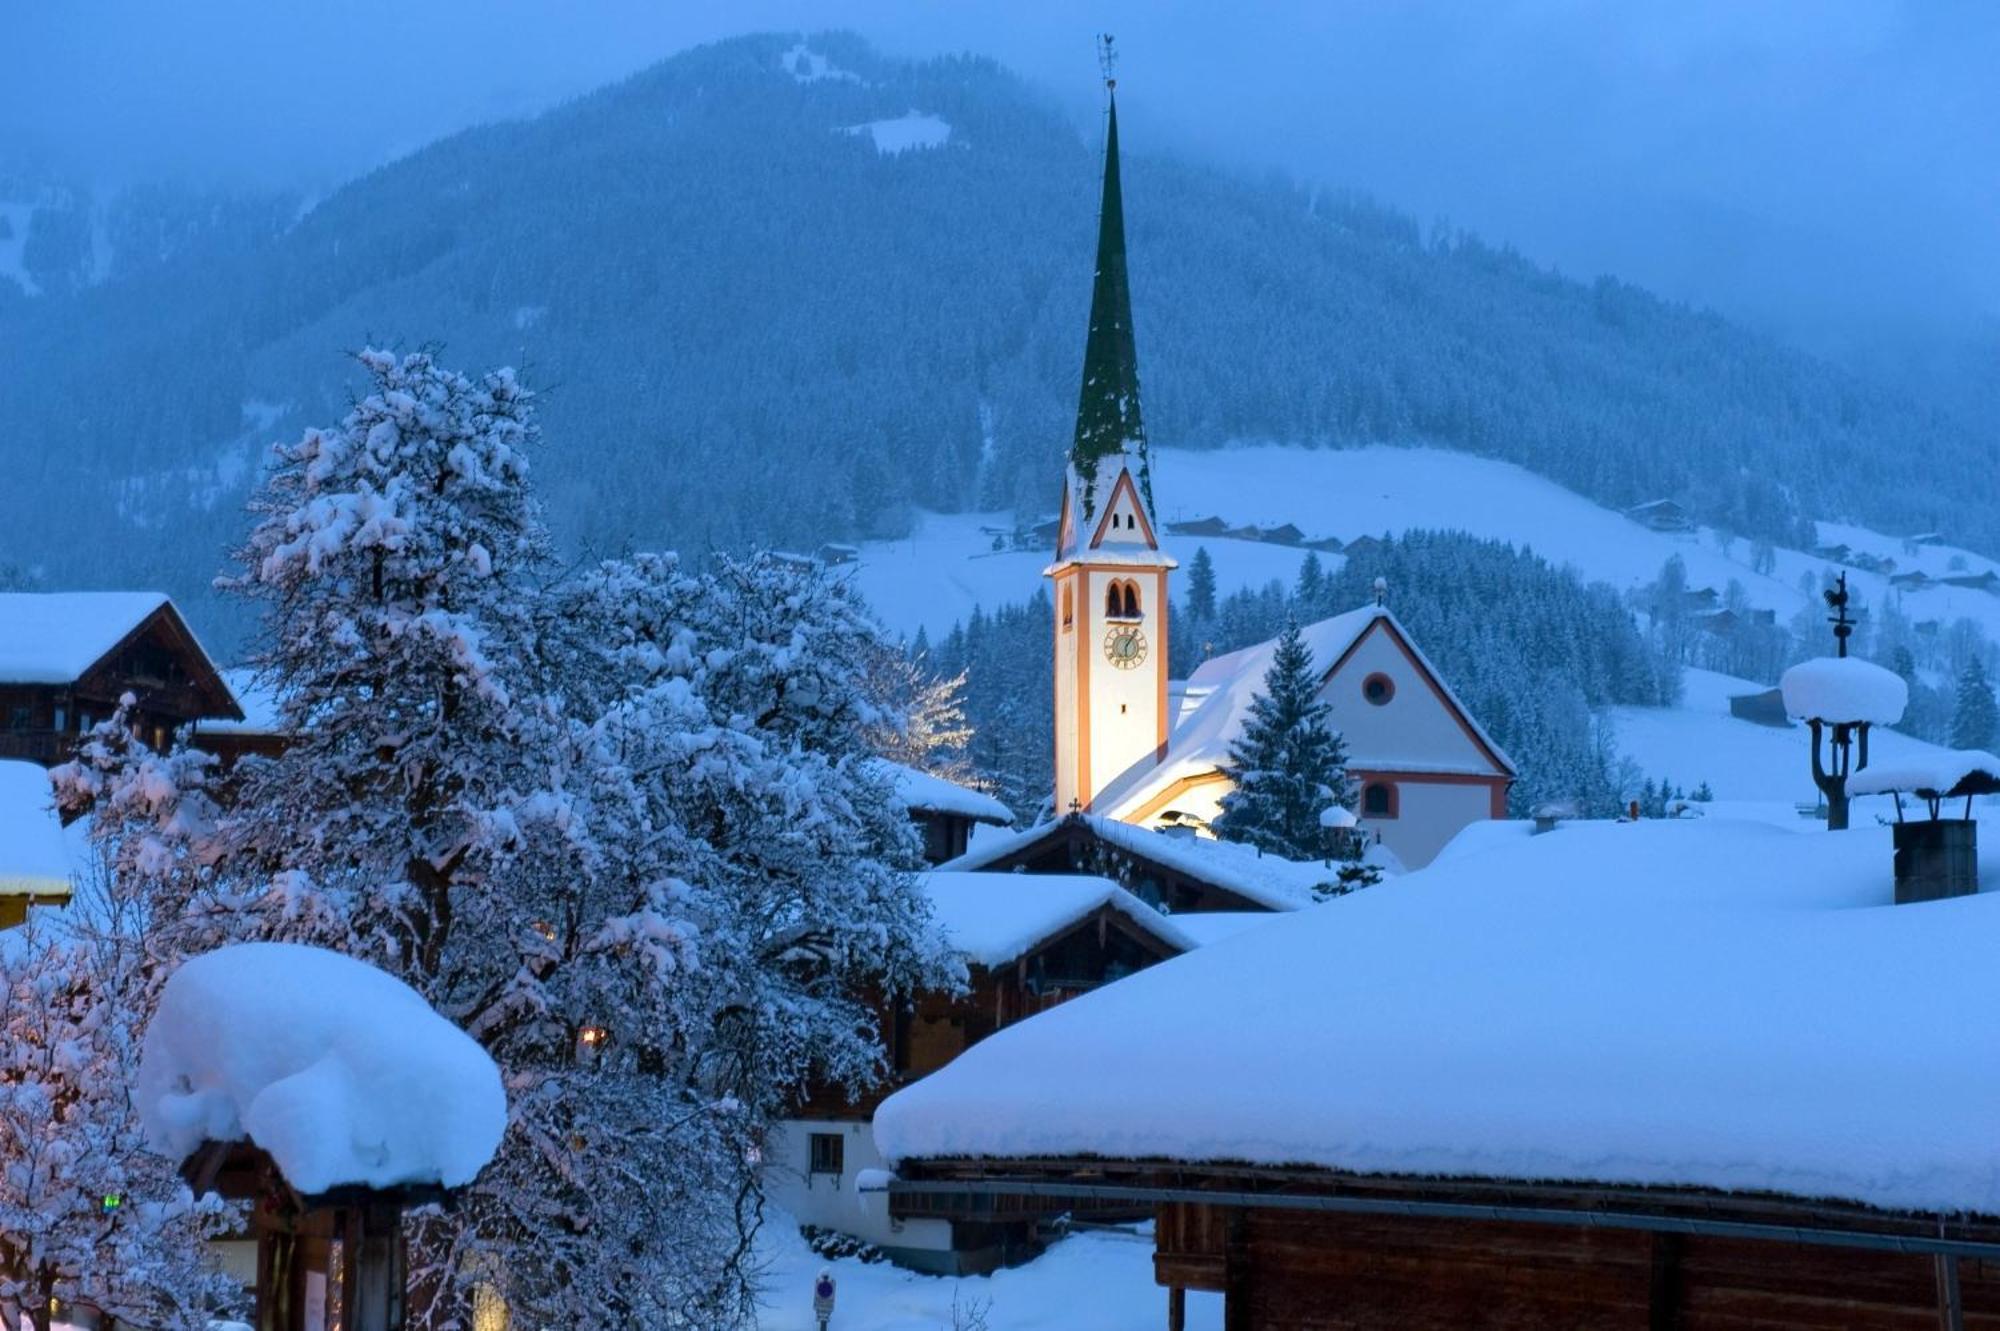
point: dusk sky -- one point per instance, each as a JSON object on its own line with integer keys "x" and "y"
{"x": 1830, "y": 169}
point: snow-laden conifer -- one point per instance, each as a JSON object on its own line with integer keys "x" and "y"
{"x": 1289, "y": 765}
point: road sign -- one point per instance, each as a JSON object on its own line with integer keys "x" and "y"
{"x": 823, "y": 1298}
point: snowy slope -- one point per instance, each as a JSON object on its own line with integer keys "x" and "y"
{"x": 1740, "y": 760}
{"x": 935, "y": 576}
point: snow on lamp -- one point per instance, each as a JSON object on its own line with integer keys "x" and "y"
{"x": 1840, "y": 698}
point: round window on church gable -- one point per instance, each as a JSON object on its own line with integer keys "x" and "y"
{"x": 1378, "y": 688}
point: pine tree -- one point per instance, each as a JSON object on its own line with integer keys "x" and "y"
{"x": 1975, "y": 716}
{"x": 1310, "y": 594}
{"x": 1201, "y": 585}
{"x": 1287, "y": 766}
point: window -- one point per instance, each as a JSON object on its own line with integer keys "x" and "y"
{"x": 1114, "y": 602}
{"x": 1378, "y": 688}
{"x": 1378, "y": 800}
{"x": 1131, "y": 600}
{"x": 18, "y": 719}
{"x": 1068, "y": 606}
{"x": 829, "y": 1153}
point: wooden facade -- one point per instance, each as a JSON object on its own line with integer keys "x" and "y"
{"x": 158, "y": 661}
{"x": 1310, "y": 1250}
{"x": 923, "y": 1035}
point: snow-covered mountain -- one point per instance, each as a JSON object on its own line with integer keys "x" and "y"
{"x": 790, "y": 290}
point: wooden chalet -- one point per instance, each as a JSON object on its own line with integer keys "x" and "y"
{"x": 1617, "y": 1075}
{"x": 66, "y": 658}
{"x": 1661, "y": 515}
{"x": 1030, "y": 943}
{"x": 1173, "y": 869}
{"x": 944, "y": 811}
{"x": 1319, "y": 1250}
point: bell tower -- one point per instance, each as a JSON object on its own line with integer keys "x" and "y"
{"x": 1110, "y": 573}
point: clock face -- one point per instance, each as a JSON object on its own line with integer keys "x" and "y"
{"x": 1125, "y": 647}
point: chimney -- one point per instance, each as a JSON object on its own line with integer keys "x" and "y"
{"x": 1936, "y": 856}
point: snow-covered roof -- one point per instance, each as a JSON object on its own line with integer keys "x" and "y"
{"x": 1844, "y": 688}
{"x": 1930, "y": 774}
{"x": 995, "y": 918}
{"x": 339, "y": 1071}
{"x": 1218, "y": 696}
{"x": 54, "y": 637}
{"x": 1698, "y": 1003}
{"x": 258, "y": 703}
{"x": 1268, "y": 880}
{"x": 1208, "y": 927}
{"x": 34, "y": 857}
{"x": 925, "y": 793}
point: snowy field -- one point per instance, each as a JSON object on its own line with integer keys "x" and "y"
{"x": 1741, "y": 760}
{"x": 1097, "y": 1281}
{"x": 935, "y": 576}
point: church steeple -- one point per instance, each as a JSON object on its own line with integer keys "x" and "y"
{"x": 1110, "y": 573}
{"x": 1108, "y": 423}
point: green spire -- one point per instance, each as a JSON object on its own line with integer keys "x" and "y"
{"x": 1107, "y": 417}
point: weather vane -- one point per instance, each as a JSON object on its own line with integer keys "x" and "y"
{"x": 1107, "y": 59}
{"x": 1836, "y": 600}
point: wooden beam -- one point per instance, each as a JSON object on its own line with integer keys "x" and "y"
{"x": 1663, "y": 1293}
{"x": 1951, "y": 1304}
{"x": 1176, "y": 1309}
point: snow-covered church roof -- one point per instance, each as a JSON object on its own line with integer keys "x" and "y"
{"x": 1218, "y": 697}
{"x": 1709, "y": 1004}
{"x": 995, "y": 918}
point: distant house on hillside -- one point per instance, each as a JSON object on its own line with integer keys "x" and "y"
{"x": 66, "y": 658}
{"x": 1284, "y": 534}
{"x": 1985, "y": 581}
{"x": 1766, "y": 707}
{"x": 1913, "y": 581}
{"x": 1661, "y": 515}
{"x": 1199, "y": 527}
{"x": 1029, "y": 943}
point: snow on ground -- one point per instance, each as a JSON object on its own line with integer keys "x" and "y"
{"x": 947, "y": 565}
{"x": 910, "y": 131}
{"x": 1101, "y": 1280}
{"x": 339, "y": 1070}
{"x": 1740, "y": 760}
{"x": 15, "y": 219}
{"x": 1704, "y": 1003}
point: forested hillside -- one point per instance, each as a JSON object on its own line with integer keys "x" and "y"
{"x": 752, "y": 321}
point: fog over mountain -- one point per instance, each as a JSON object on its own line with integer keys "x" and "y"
{"x": 719, "y": 373}
{"x": 1829, "y": 170}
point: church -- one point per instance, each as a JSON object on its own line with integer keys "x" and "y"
{"x": 1132, "y": 744}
